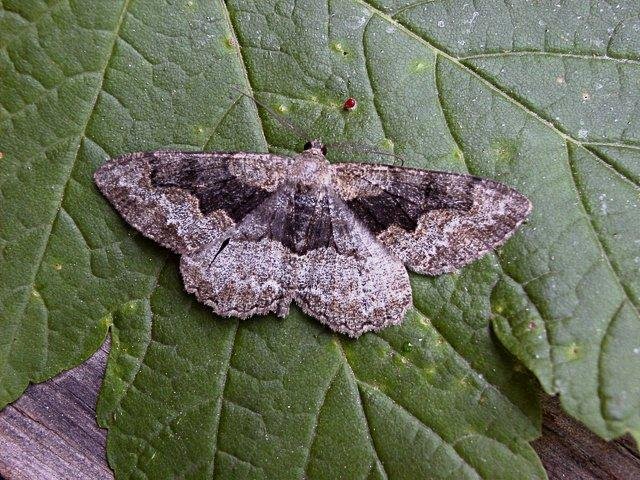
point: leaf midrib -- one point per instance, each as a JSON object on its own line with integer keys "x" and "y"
{"x": 543, "y": 53}
{"x": 232, "y": 28}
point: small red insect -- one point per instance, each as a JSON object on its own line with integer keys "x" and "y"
{"x": 350, "y": 104}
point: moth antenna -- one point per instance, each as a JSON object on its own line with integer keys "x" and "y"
{"x": 354, "y": 146}
{"x": 285, "y": 122}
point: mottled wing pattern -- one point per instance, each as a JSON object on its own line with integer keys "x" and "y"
{"x": 354, "y": 285}
{"x": 259, "y": 231}
{"x": 304, "y": 245}
{"x": 185, "y": 200}
{"x": 248, "y": 271}
{"x": 435, "y": 222}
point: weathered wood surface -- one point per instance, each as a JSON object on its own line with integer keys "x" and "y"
{"x": 569, "y": 451}
{"x": 51, "y": 433}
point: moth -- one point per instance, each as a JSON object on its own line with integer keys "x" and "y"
{"x": 258, "y": 231}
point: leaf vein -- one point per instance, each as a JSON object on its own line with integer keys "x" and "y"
{"x": 236, "y": 458}
{"x": 243, "y": 65}
{"x": 222, "y": 388}
{"x": 598, "y": 237}
{"x": 541, "y": 53}
{"x": 601, "y": 368}
{"x": 214, "y": 129}
{"x": 314, "y": 430}
{"x": 376, "y": 102}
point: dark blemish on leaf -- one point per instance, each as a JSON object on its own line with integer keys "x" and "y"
{"x": 407, "y": 347}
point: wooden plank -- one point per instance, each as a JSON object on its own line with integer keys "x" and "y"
{"x": 50, "y": 433}
{"x": 571, "y": 451}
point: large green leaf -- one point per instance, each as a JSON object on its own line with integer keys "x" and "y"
{"x": 189, "y": 394}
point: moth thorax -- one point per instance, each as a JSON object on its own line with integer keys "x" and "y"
{"x": 311, "y": 170}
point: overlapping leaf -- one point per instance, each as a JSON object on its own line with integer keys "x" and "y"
{"x": 570, "y": 310}
{"x": 188, "y": 394}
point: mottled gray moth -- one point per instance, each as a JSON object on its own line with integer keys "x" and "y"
{"x": 258, "y": 231}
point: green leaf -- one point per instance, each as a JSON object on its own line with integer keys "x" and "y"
{"x": 188, "y": 394}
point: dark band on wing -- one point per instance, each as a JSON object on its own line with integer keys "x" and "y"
{"x": 402, "y": 203}
{"x": 307, "y": 223}
{"x": 212, "y": 184}
{"x": 298, "y": 219}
